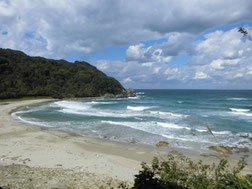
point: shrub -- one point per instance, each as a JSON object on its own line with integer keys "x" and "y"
{"x": 177, "y": 171}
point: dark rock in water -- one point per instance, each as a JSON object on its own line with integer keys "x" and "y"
{"x": 243, "y": 142}
{"x": 125, "y": 93}
{"x": 133, "y": 141}
{"x": 246, "y": 136}
{"x": 162, "y": 144}
{"x": 228, "y": 150}
{"x": 241, "y": 150}
{"x": 131, "y": 92}
{"x": 109, "y": 95}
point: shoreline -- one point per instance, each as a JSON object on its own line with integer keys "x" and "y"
{"x": 48, "y": 148}
{"x": 41, "y": 147}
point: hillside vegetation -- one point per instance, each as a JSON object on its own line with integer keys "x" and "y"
{"x": 22, "y": 75}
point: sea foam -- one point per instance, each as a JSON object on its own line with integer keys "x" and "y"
{"x": 98, "y": 102}
{"x": 171, "y": 126}
{"x": 239, "y": 110}
{"x": 214, "y": 132}
{"x": 237, "y": 99}
{"x": 73, "y": 105}
{"x": 138, "y": 108}
{"x": 242, "y": 114}
{"x": 167, "y": 113}
{"x": 135, "y": 97}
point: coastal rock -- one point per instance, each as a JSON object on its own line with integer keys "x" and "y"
{"x": 222, "y": 149}
{"x": 162, "y": 144}
{"x": 133, "y": 141}
{"x": 246, "y": 137}
{"x": 109, "y": 95}
{"x": 126, "y": 93}
{"x": 228, "y": 150}
{"x": 131, "y": 92}
{"x": 241, "y": 150}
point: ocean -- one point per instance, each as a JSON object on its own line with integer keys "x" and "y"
{"x": 179, "y": 117}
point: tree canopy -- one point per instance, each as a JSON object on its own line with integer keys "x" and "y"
{"x": 22, "y": 75}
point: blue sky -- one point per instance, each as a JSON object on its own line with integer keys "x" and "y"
{"x": 167, "y": 44}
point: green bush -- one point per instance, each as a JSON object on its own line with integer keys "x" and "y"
{"x": 177, "y": 171}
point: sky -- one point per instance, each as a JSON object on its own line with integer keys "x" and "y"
{"x": 145, "y": 44}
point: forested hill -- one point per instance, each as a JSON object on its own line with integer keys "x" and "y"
{"x": 22, "y": 75}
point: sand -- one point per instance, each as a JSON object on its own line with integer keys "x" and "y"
{"x": 41, "y": 152}
{"x": 37, "y": 147}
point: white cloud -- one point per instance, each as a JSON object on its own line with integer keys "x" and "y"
{"x": 217, "y": 64}
{"x": 156, "y": 70}
{"x": 146, "y": 56}
{"x": 148, "y": 64}
{"x": 175, "y": 44}
{"x": 173, "y": 73}
{"x": 63, "y": 27}
{"x": 249, "y": 70}
{"x": 135, "y": 51}
{"x": 127, "y": 80}
{"x": 222, "y": 63}
{"x": 58, "y": 29}
{"x": 201, "y": 75}
{"x": 102, "y": 65}
{"x": 222, "y": 44}
{"x": 217, "y": 69}
{"x": 238, "y": 75}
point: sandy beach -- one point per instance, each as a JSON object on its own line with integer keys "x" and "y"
{"x": 81, "y": 161}
{"x": 42, "y": 148}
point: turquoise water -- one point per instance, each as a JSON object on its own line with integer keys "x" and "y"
{"x": 176, "y": 116}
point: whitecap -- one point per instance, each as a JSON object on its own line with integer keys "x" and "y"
{"x": 34, "y": 109}
{"x": 95, "y": 113}
{"x": 140, "y": 93}
{"x": 135, "y": 97}
{"x": 137, "y": 125}
{"x": 167, "y": 113}
{"x": 134, "y": 125}
{"x": 239, "y": 110}
{"x": 72, "y": 105}
{"x": 25, "y": 111}
{"x": 221, "y": 132}
{"x": 113, "y": 122}
{"x": 242, "y": 114}
{"x": 138, "y": 108}
{"x": 138, "y": 118}
{"x": 201, "y": 130}
{"x": 214, "y": 132}
{"x": 237, "y": 99}
{"x": 98, "y": 102}
{"x": 43, "y": 124}
{"x": 171, "y": 126}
